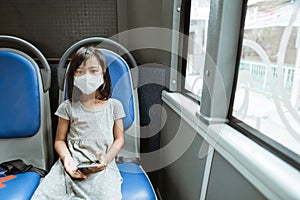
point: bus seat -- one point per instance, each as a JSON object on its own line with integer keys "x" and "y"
{"x": 136, "y": 184}
{"x": 19, "y": 186}
{"x": 25, "y": 128}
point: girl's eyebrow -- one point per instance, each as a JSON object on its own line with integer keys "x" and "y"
{"x": 84, "y": 66}
{"x": 98, "y": 67}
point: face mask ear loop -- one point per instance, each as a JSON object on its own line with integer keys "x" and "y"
{"x": 103, "y": 87}
{"x": 102, "y": 83}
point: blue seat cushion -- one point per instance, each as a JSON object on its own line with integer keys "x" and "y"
{"x": 136, "y": 184}
{"x": 20, "y": 97}
{"x": 19, "y": 186}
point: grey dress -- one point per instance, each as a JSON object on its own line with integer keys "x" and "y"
{"x": 90, "y": 131}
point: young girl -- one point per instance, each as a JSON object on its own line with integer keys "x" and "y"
{"x": 90, "y": 130}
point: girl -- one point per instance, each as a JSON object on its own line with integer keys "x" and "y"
{"x": 90, "y": 130}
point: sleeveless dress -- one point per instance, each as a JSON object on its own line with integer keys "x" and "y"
{"x": 90, "y": 131}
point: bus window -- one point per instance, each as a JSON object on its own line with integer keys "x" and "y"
{"x": 267, "y": 96}
{"x": 199, "y": 14}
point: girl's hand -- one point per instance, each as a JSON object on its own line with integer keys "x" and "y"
{"x": 102, "y": 162}
{"x": 70, "y": 167}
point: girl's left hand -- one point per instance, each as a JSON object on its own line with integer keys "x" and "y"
{"x": 102, "y": 162}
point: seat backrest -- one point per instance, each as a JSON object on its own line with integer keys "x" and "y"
{"x": 20, "y": 98}
{"x": 122, "y": 89}
{"x": 25, "y": 123}
{"x": 121, "y": 84}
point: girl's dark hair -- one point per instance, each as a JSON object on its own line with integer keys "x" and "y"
{"x": 81, "y": 56}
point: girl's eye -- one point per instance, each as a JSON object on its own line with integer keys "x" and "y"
{"x": 94, "y": 71}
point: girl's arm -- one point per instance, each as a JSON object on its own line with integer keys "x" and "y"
{"x": 63, "y": 151}
{"x": 118, "y": 141}
{"x": 61, "y": 134}
{"x": 116, "y": 146}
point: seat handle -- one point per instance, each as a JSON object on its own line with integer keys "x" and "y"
{"x": 45, "y": 71}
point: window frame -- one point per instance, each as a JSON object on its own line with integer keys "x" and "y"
{"x": 184, "y": 28}
{"x": 250, "y": 132}
{"x": 256, "y": 136}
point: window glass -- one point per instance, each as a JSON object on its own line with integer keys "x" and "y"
{"x": 267, "y": 96}
{"x": 199, "y": 15}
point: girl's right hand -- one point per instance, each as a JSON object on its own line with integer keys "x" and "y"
{"x": 70, "y": 167}
{"x": 102, "y": 162}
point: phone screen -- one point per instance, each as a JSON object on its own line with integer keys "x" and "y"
{"x": 88, "y": 165}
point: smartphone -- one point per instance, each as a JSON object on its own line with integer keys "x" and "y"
{"x": 88, "y": 165}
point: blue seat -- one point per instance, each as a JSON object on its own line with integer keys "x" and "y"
{"x": 20, "y": 117}
{"x": 25, "y": 128}
{"x": 19, "y": 186}
{"x": 136, "y": 184}
{"x": 121, "y": 84}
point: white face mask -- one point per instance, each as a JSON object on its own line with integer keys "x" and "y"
{"x": 88, "y": 83}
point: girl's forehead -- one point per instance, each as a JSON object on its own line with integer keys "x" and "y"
{"x": 90, "y": 62}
